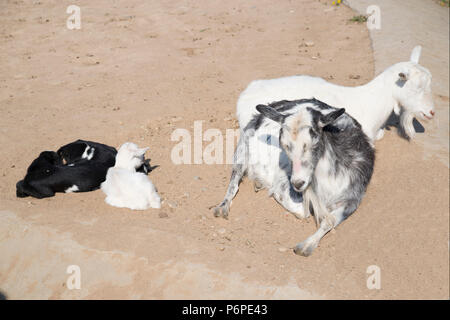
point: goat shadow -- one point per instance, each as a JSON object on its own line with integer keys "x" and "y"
{"x": 3, "y": 296}
{"x": 394, "y": 121}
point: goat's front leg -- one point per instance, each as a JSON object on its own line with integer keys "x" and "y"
{"x": 328, "y": 222}
{"x": 237, "y": 173}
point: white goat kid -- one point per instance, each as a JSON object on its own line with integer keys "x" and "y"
{"x": 126, "y": 188}
{"x": 404, "y": 85}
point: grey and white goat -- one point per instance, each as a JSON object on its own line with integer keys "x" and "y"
{"x": 309, "y": 145}
{"x": 332, "y": 162}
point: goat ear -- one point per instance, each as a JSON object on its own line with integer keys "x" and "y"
{"x": 415, "y": 54}
{"x": 270, "y": 113}
{"x": 139, "y": 152}
{"x": 330, "y": 117}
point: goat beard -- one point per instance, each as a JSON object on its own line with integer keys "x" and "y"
{"x": 406, "y": 123}
{"x": 321, "y": 212}
{"x": 311, "y": 201}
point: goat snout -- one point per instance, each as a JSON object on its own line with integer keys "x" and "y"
{"x": 298, "y": 185}
{"x": 429, "y": 115}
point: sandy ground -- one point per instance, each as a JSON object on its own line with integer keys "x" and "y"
{"x": 136, "y": 72}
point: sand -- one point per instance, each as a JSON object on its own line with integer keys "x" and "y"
{"x": 140, "y": 70}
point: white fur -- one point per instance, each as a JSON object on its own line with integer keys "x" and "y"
{"x": 370, "y": 104}
{"x": 71, "y": 189}
{"x": 88, "y": 153}
{"x": 126, "y": 188}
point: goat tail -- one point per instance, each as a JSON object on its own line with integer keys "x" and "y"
{"x": 310, "y": 200}
{"x": 406, "y": 123}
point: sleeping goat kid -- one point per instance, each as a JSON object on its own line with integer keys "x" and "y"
{"x": 126, "y": 188}
{"x": 332, "y": 164}
{"x": 47, "y": 175}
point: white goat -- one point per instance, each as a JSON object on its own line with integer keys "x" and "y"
{"x": 126, "y": 188}
{"x": 405, "y": 84}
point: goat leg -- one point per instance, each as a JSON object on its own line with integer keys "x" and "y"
{"x": 237, "y": 173}
{"x": 224, "y": 207}
{"x": 328, "y": 222}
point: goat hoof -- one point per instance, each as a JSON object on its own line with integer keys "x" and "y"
{"x": 257, "y": 186}
{"x": 304, "y": 249}
{"x": 217, "y": 212}
{"x": 221, "y": 210}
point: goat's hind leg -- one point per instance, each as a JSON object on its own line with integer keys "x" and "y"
{"x": 237, "y": 173}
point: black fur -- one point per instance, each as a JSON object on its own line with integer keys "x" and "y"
{"x": 47, "y": 175}
{"x": 103, "y": 153}
{"x": 72, "y": 152}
